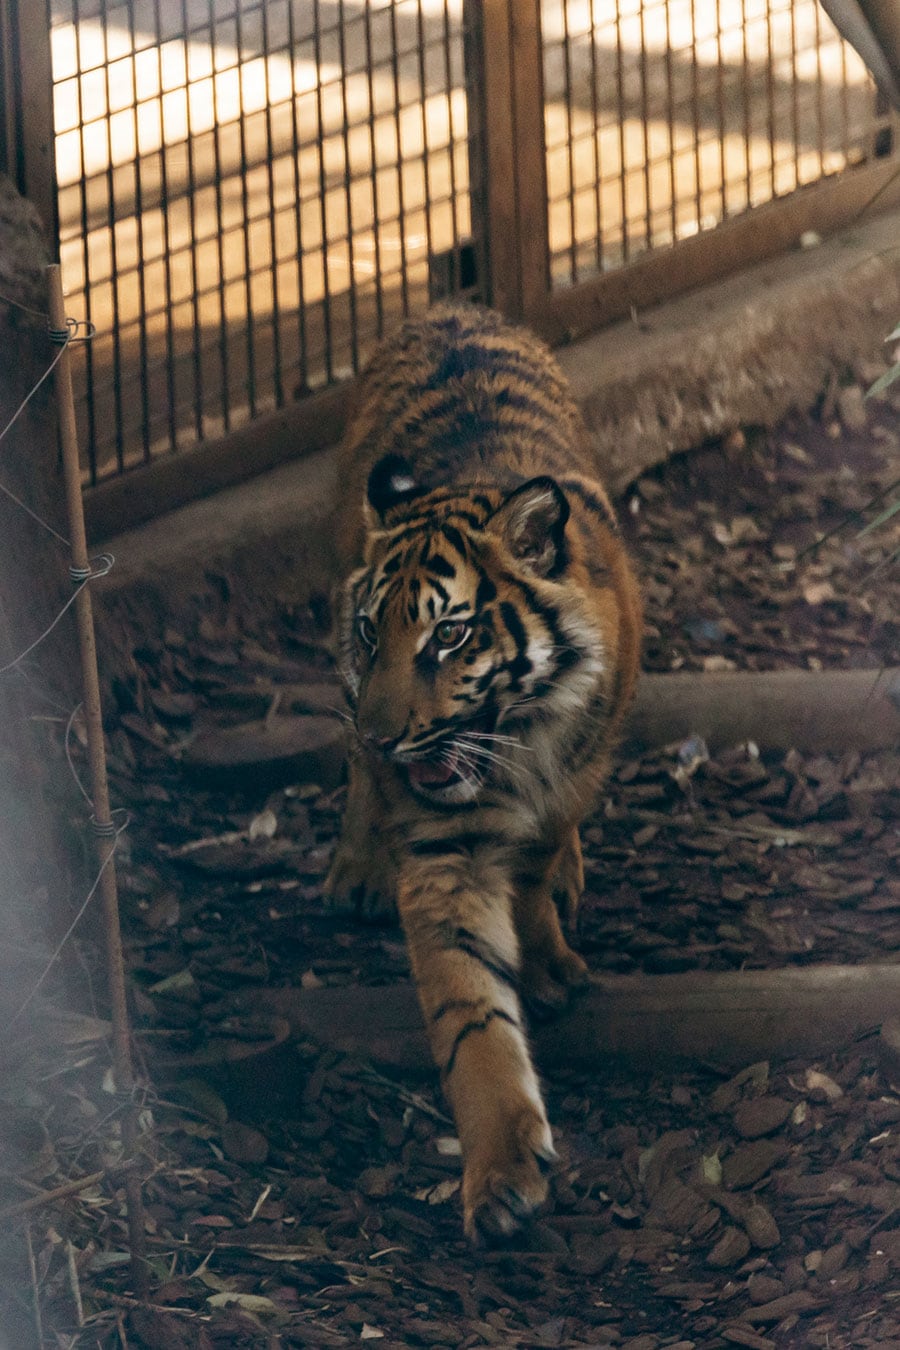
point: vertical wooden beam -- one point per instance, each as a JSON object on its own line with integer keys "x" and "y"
{"x": 496, "y": 75}
{"x": 26, "y": 75}
{"x": 530, "y": 154}
{"x": 512, "y": 101}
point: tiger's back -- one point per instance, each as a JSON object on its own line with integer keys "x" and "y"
{"x": 464, "y": 396}
{"x": 489, "y": 633}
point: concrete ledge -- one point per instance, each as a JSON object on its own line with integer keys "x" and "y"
{"x": 746, "y": 350}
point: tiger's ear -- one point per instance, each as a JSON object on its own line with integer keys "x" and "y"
{"x": 391, "y": 481}
{"x": 532, "y": 522}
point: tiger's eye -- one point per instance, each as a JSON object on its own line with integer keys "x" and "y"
{"x": 367, "y": 631}
{"x": 450, "y": 634}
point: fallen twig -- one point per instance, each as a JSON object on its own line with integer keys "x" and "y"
{"x": 60, "y": 1192}
{"x": 35, "y": 1289}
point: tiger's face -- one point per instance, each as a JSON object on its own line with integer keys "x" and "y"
{"x": 457, "y": 635}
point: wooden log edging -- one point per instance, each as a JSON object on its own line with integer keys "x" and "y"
{"x": 813, "y": 711}
{"x": 725, "y": 1018}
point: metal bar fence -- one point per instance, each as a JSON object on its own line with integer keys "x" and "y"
{"x": 251, "y": 191}
{"x": 711, "y": 110}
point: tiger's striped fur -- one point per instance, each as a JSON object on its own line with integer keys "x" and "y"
{"x": 488, "y": 642}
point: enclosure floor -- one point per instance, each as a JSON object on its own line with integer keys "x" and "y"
{"x": 689, "y": 1209}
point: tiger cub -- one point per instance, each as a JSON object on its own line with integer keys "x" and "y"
{"x": 488, "y": 642}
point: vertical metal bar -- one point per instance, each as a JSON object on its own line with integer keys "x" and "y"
{"x": 645, "y": 132}
{"x": 820, "y": 111}
{"x": 224, "y": 353}
{"x": 770, "y": 95}
{"x": 745, "y": 97}
{"x": 373, "y": 158}
{"x": 845, "y": 106}
{"x": 670, "y": 118}
{"x": 348, "y": 194}
{"x": 720, "y": 115}
{"x": 143, "y": 386}
{"x": 454, "y": 200}
{"x": 197, "y": 361}
{"x": 167, "y": 242}
{"x": 249, "y": 325}
{"x": 277, "y": 374}
{"x": 117, "y": 381}
{"x": 623, "y": 142}
{"x": 423, "y": 90}
{"x": 595, "y": 145}
{"x": 89, "y": 364}
{"x": 695, "y": 118}
{"x": 298, "y": 205}
{"x": 570, "y": 147}
{"x": 795, "y": 104}
{"x": 401, "y": 206}
{"x": 645, "y": 122}
{"x": 477, "y": 142}
{"x": 323, "y": 182}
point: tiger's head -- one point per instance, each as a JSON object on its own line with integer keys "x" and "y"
{"x": 461, "y": 637}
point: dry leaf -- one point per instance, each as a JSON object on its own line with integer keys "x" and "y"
{"x": 256, "y": 1303}
{"x": 815, "y": 1079}
{"x": 264, "y": 825}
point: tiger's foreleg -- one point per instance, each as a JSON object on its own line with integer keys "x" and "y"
{"x": 550, "y": 969}
{"x": 465, "y": 957}
{"x": 363, "y": 874}
{"x": 568, "y": 884}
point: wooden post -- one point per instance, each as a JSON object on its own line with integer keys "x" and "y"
{"x": 102, "y": 821}
{"x": 512, "y": 110}
{"x": 26, "y": 107}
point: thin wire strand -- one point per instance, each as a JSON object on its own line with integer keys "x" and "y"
{"x": 71, "y": 763}
{"x": 47, "y": 631}
{"x": 34, "y": 516}
{"x": 28, "y": 397}
{"x": 68, "y": 335}
{"x": 106, "y": 562}
{"x": 17, "y": 304}
{"x": 71, "y": 928}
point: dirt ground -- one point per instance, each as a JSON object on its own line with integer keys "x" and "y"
{"x": 300, "y": 1197}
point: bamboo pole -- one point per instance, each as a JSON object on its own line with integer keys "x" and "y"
{"x": 104, "y": 828}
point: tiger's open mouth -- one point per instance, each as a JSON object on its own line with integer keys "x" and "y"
{"x": 447, "y": 764}
{"x": 432, "y": 774}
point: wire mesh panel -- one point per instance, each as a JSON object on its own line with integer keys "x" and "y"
{"x": 665, "y": 117}
{"x": 249, "y": 192}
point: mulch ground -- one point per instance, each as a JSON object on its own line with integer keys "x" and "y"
{"x": 299, "y": 1197}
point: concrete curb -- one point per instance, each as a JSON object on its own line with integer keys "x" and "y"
{"x": 744, "y": 352}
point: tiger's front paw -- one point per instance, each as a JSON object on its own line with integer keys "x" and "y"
{"x": 548, "y": 981}
{"x": 364, "y": 885}
{"x": 506, "y": 1180}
